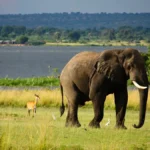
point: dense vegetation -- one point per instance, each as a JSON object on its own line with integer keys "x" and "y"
{"x": 40, "y": 35}
{"x": 147, "y": 62}
{"x": 77, "y": 20}
{"x": 34, "y": 81}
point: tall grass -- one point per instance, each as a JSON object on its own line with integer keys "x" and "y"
{"x": 21, "y": 132}
{"x": 133, "y": 100}
{"x": 19, "y": 98}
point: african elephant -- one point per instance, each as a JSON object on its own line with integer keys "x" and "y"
{"x": 94, "y": 75}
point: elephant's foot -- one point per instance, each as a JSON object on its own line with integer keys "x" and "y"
{"x": 120, "y": 125}
{"x": 72, "y": 124}
{"x": 94, "y": 124}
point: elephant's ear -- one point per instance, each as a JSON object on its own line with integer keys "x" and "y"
{"x": 103, "y": 67}
{"x": 105, "y": 62}
{"x": 109, "y": 65}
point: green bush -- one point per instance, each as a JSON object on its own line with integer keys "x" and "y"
{"x": 22, "y": 39}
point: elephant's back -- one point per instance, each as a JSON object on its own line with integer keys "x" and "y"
{"x": 81, "y": 60}
{"x": 84, "y": 57}
{"x": 80, "y": 66}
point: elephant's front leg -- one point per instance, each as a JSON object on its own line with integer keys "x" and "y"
{"x": 121, "y": 98}
{"x": 98, "y": 104}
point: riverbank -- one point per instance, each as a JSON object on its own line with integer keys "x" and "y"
{"x": 91, "y": 43}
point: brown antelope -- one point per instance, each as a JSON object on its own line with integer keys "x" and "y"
{"x": 32, "y": 105}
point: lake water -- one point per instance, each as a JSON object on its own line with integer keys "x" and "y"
{"x": 29, "y": 61}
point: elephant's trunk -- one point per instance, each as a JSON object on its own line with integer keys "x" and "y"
{"x": 140, "y": 80}
{"x": 143, "y": 102}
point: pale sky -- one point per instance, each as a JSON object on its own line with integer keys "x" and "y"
{"x": 83, "y": 6}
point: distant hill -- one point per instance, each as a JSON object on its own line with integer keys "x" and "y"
{"x": 77, "y": 20}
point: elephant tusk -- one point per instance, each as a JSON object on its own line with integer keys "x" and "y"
{"x": 139, "y": 86}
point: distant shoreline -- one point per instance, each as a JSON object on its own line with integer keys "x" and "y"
{"x": 101, "y": 43}
{"x": 13, "y": 45}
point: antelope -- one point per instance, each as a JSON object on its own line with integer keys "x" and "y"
{"x": 32, "y": 105}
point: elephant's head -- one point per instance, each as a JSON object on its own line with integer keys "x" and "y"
{"x": 109, "y": 64}
{"x": 121, "y": 65}
{"x": 134, "y": 66}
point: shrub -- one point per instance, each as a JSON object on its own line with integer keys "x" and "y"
{"x": 22, "y": 39}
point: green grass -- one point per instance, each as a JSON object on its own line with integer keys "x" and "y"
{"x": 21, "y": 132}
{"x": 34, "y": 81}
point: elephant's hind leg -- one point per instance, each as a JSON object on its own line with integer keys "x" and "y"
{"x": 73, "y": 96}
{"x": 72, "y": 117}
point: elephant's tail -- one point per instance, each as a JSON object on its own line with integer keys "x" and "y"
{"x": 62, "y": 107}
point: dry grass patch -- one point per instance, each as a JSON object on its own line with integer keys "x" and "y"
{"x": 19, "y": 98}
{"x": 133, "y": 100}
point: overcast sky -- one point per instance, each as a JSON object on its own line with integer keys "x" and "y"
{"x": 84, "y": 6}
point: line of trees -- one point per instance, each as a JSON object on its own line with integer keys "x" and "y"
{"x": 42, "y": 34}
{"x": 77, "y": 20}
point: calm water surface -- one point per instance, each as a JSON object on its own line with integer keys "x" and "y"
{"x": 29, "y": 61}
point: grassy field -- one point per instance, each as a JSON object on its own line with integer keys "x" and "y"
{"x": 47, "y": 130}
{"x": 18, "y": 131}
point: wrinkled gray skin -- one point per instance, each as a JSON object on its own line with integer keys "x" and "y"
{"x": 94, "y": 75}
